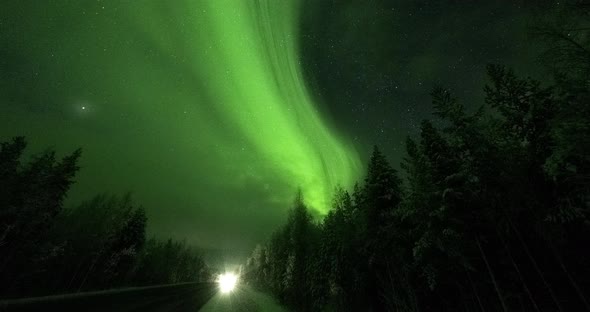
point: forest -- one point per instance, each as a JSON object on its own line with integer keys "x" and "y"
{"x": 47, "y": 248}
{"x": 490, "y": 211}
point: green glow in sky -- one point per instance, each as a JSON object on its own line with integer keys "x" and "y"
{"x": 248, "y": 55}
{"x": 198, "y": 107}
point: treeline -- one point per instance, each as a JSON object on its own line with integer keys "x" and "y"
{"x": 490, "y": 213}
{"x": 99, "y": 244}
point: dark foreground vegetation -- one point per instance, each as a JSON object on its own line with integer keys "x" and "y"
{"x": 99, "y": 244}
{"x": 490, "y": 213}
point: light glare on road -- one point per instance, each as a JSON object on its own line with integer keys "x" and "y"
{"x": 227, "y": 282}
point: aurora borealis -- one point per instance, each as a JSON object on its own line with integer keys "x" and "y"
{"x": 192, "y": 113}
{"x": 212, "y": 112}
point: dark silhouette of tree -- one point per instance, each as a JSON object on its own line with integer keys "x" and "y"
{"x": 98, "y": 244}
{"x": 167, "y": 263}
{"x": 564, "y": 32}
{"x": 289, "y": 264}
{"x": 492, "y": 214}
{"x": 31, "y": 197}
{"x": 380, "y": 199}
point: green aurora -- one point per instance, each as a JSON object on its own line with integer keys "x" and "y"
{"x": 197, "y": 107}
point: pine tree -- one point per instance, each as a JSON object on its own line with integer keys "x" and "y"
{"x": 32, "y": 196}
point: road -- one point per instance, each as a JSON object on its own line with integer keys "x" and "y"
{"x": 242, "y": 299}
{"x": 178, "y": 298}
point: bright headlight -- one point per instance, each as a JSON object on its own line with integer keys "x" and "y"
{"x": 227, "y": 282}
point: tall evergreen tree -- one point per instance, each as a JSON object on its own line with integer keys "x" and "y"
{"x": 32, "y": 196}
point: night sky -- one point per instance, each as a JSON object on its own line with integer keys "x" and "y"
{"x": 214, "y": 112}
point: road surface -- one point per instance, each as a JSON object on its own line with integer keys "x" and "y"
{"x": 242, "y": 299}
{"x": 188, "y": 297}
{"x": 179, "y": 297}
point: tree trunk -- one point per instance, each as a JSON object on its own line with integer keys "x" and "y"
{"x": 535, "y": 265}
{"x": 475, "y": 291}
{"x": 579, "y": 291}
{"x": 75, "y": 274}
{"x": 520, "y": 277}
{"x": 491, "y": 273}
